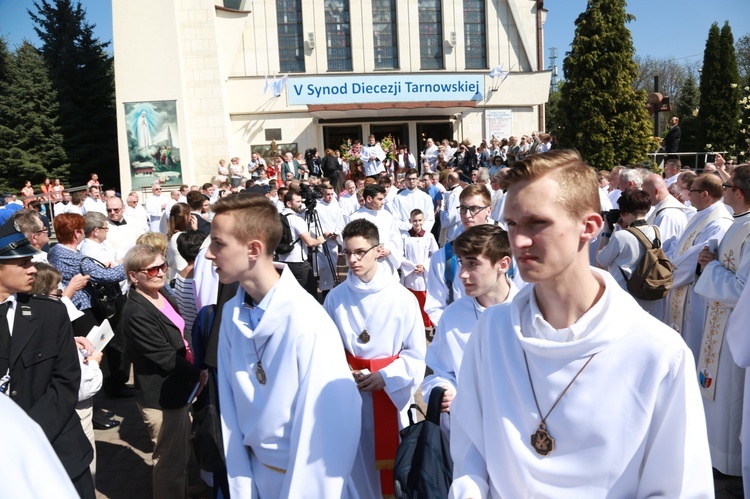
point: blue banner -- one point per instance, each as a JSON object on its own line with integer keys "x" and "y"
{"x": 385, "y": 88}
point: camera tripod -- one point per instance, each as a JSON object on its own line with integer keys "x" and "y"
{"x": 313, "y": 226}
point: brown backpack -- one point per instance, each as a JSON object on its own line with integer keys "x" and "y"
{"x": 653, "y": 276}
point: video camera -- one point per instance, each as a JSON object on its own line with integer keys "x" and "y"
{"x": 611, "y": 217}
{"x": 310, "y": 195}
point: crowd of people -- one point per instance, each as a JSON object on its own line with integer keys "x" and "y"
{"x": 233, "y": 285}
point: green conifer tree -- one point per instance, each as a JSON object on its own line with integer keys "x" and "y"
{"x": 603, "y": 116}
{"x": 82, "y": 73}
{"x": 686, "y": 108}
{"x": 28, "y": 112}
{"x": 719, "y": 110}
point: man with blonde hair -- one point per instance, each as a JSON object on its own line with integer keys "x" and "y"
{"x": 572, "y": 379}
{"x": 290, "y": 410}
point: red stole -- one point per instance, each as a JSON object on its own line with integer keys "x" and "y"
{"x": 385, "y": 417}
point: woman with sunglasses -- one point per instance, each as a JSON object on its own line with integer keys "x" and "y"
{"x": 163, "y": 368}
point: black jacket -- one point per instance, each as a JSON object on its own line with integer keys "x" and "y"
{"x": 164, "y": 378}
{"x": 45, "y": 377}
{"x": 672, "y": 140}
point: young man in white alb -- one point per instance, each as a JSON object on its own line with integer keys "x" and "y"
{"x": 443, "y": 283}
{"x": 572, "y": 390}
{"x": 383, "y": 335}
{"x": 484, "y": 257}
{"x": 290, "y": 411}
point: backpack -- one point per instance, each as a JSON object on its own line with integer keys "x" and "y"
{"x": 286, "y": 245}
{"x": 652, "y": 277}
{"x": 423, "y": 466}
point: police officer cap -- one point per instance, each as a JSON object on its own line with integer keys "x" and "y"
{"x": 13, "y": 244}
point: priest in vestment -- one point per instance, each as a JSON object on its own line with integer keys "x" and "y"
{"x": 686, "y": 311}
{"x": 724, "y": 276}
{"x": 372, "y": 156}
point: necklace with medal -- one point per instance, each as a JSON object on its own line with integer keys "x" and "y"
{"x": 364, "y": 336}
{"x": 260, "y": 374}
{"x": 541, "y": 440}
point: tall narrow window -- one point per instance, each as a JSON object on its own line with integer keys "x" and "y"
{"x": 338, "y": 35}
{"x": 384, "y": 38}
{"x": 430, "y": 34}
{"x": 291, "y": 43}
{"x": 475, "y": 35}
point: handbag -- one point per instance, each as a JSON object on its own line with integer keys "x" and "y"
{"x": 423, "y": 466}
{"x": 106, "y": 297}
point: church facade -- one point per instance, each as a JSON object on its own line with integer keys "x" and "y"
{"x": 203, "y": 80}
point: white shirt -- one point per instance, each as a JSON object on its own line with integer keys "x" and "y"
{"x": 408, "y": 200}
{"x": 306, "y": 418}
{"x": 631, "y": 425}
{"x": 91, "y": 204}
{"x": 299, "y": 227}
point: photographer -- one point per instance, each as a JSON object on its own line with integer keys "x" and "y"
{"x": 312, "y": 161}
{"x": 620, "y": 252}
{"x": 296, "y": 260}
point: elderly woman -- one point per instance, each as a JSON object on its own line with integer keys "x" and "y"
{"x": 162, "y": 366}
{"x": 69, "y": 228}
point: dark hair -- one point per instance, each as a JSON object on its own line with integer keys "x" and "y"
{"x": 178, "y": 218}
{"x": 189, "y": 244}
{"x": 195, "y": 200}
{"x": 485, "y": 240}
{"x": 415, "y": 212}
{"x": 411, "y": 171}
{"x": 361, "y": 228}
{"x": 372, "y": 190}
{"x": 634, "y": 202}
{"x": 741, "y": 180}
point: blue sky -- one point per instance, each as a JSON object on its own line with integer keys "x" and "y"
{"x": 663, "y": 28}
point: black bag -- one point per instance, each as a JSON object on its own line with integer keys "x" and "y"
{"x": 423, "y": 467}
{"x": 205, "y": 434}
{"x": 286, "y": 245}
{"x": 106, "y": 297}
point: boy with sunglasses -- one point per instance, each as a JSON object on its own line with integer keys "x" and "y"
{"x": 382, "y": 330}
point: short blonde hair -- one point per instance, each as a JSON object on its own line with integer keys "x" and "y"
{"x": 579, "y": 186}
{"x": 156, "y": 240}
{"x": 140, "y": 256}
{"x": 254, "y": 218}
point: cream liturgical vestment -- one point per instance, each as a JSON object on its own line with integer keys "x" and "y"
{"x": 738, "y": 341}
{"x": 390, "y": 313}
{"x": 630, "y": 426}
{"x": 685, "y": 310}
{"x": 721, "y": 379}
{"x": 295, "y": 435}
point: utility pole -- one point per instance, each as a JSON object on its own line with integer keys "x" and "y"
{"x": 553, "y": 67}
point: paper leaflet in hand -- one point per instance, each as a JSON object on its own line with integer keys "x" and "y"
{"x": 100, "y": 335}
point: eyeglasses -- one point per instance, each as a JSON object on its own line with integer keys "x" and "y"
{"x": 728, "y": 186}
{"x": 42, "y": 231}
{"x": 114, "y": 210}
{"x": 103, "y": 228}
{"x": 154, "y": 271}
{"x": 412, "y": 178}
{"x": 697, "y": 190}
{"x": 56, "y": 293}
{"x": 157, "y": 189}
{"x": 471, "y": 209}
{"x": 358, "y": 254}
